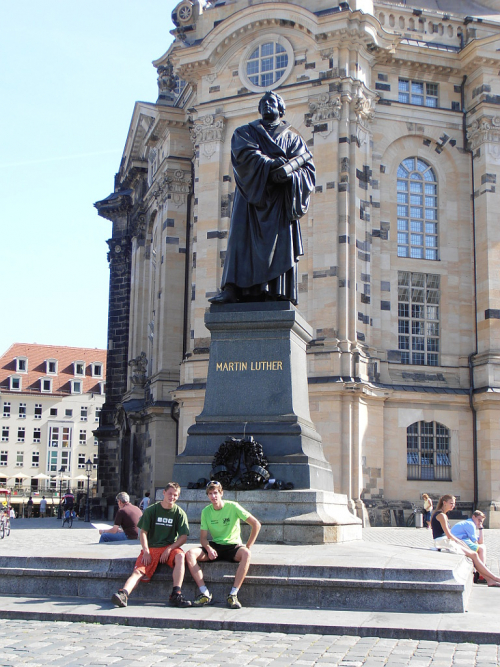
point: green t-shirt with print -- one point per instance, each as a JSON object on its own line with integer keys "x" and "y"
{"x": 224, "y": 524}
{"x": 163, "y": 526}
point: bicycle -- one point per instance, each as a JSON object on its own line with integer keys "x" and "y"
{"x": 4, "y": 527}
{"x": 416, "y": 509}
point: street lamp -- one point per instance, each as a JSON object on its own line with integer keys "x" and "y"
{"x": 88, "y": 471}
{"x": 59, "y": 509}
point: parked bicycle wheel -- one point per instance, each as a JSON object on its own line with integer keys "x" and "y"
{"x": 410, "y": 521}
{"x": 2, "y": 530}
{"x": 7, "y": 527}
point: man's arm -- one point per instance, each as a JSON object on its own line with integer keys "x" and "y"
{"x": 176, "y": 545}
{"x": 256, "y": 526}
{"x": 212, "y": 554}
{"x": 146, "y": 556}
{"x": 114, "y": 529}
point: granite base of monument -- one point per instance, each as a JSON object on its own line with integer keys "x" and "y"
{"x": 257, "y": 385}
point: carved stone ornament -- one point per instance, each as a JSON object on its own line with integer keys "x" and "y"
{"x": 119, "y": 255}
{"x": 364, "y": 109}
{"x": 138, "y": 226}
{"x": 174, "y": 184}
{"x": 166, "y": 78}
{"x": 139, "y": 367}
{"x": 322, "y": 108}
{"x": 485, "y": 130}
{"x": 207, "y": 132}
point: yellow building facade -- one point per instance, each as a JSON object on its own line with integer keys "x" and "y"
{"x": 400, "y": 106}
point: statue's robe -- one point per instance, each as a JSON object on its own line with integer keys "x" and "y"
{"x": 265, "y": 243}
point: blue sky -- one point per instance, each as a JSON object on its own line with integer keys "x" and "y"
{"x": 70, "y": 74}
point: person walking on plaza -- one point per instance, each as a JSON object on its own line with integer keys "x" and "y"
{"x": 43, "y": 508}
{"x": 145, "y": 501}
{"x": 444, "y": 539}
{"x": 222, "y": 519}
{"x": 126, "y": 519}
{"x": 29, "y": 507}
{"x": 164, "y": 529}
{"x": 427, "y": 509}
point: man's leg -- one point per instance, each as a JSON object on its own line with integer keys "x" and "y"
{"x": 481, "y": 552}
{"x": 120, "y": 599}
{"x": 243, "y": 557}
{"x": 193, "y": 556}
{"x": 179, "y": 569}
{"x": 113, "y": 537}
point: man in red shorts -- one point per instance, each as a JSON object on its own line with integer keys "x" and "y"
{"x": 164, "y": 529}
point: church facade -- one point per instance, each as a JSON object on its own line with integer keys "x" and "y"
{"x": 400, "y": 106}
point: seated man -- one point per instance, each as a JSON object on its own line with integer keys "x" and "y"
{"x": 470, "y": 532}
{"x": 164, "y": 529}
{"x": 222, "y": 519}
{"x": 126, "y": 518}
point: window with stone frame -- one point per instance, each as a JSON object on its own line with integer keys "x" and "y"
{"x": 37, "y": 434}
{"x": 6, "y": 409}
{"x": 5, "y": 433}
{"x": 4, "y": 457}
{"x": 428, "y": 451}
{"x": 84, "y": 413}
{"x": 83, "y": 437}
{"x": 21, "y": 434}
{"x": 95, "y": 461}
{"x": 38, "y": 410}
{"x": 417, "y": 210}
{"x": 418, "y": 318}
{"x": 81, "y": 461}
{"x": 266, "y": 63}
{"x": 423, "y": 93}
{"x": 19, "y": 459}
{"x": 22, "y": 410}
{"x": 35, "y": 459}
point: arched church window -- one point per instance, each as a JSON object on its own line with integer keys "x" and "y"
{"x": 266, "y": 63}
{"x": 428, "y": 451}
{"x": 417, "y": 209}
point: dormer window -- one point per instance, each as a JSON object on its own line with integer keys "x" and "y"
{"x": 51, "y": 366}
{"x": 76, "y": 386}
{"x": 102, "y": 388}
{"x": 46, "y": 385}
{"x": 79, "y": 368}
{"x": 15, "y": 383}
{"x": 96, "y": 369}
{"x": 21, "y": 364}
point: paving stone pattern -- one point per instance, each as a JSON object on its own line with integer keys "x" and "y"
{"x": 41, "y": 643}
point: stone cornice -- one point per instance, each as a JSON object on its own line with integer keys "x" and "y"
{"x": 338, "y": 29}
{"x": 115, "y": 206}
{"x": 173, "y": 183}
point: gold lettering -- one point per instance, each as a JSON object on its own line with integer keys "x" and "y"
{"x": 225, "y": 368}
{"x": 280, "y": 364}
{"x": 219, "y": 366}
{"x": 243, "y": 365}
{"x": 231, "y": 366}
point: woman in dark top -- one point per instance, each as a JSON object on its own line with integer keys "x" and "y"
{"x": 444, "y": 539}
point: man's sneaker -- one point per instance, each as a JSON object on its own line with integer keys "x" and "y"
{"x": 119, "y": 599}
{"x": 202, "y": 600}
{"x": 233, "y": 602}
{"x": 177, "y": 600}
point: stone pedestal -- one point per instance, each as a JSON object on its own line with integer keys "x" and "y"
{"x": 257, "y": 385}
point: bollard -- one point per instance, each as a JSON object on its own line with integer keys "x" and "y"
{"x": 419, "y": 520}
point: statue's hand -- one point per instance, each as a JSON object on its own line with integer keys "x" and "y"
{"x": 280, "y": 176}
{"x": 278, "y": 162}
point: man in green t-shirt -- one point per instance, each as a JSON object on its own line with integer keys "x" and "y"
{"x": 222, "y": 520}
{"x": 164, "y": 529}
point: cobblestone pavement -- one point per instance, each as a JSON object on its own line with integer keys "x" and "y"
{"x": 40, "y": 644}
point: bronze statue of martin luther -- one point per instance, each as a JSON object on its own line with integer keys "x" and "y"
{"x": 275, "y": 177}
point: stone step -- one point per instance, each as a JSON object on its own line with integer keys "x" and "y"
{"x": 268, "y": 584}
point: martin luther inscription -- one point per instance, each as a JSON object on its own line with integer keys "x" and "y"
{"x": 254, "y": 366}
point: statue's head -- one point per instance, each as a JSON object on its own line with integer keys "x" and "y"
{"x": 272, "y": 104}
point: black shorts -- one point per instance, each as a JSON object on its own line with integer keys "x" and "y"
{"x": 225, "y": 552}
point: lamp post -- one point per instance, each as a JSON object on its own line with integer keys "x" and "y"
{"x": 59, "y": 509}
{"x": 88, "y": 471}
